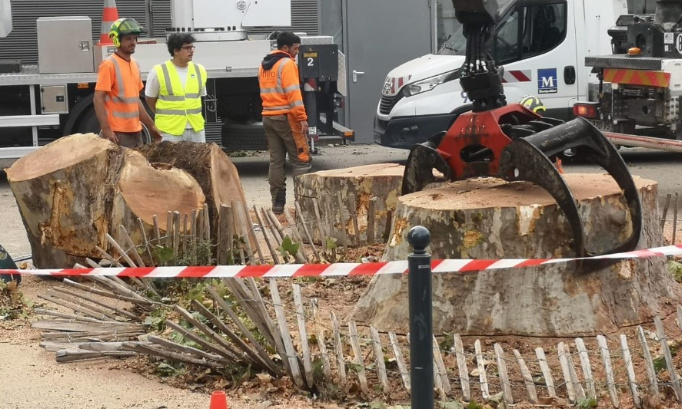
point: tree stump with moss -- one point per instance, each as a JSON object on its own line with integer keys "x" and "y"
{"x": 350, "y": 197}
{"x": 490, "y": 218}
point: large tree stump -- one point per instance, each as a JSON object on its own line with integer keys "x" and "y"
{"x": 490, "y": 219}
{"x": 344, "y": 196}
{"x": 209, "y": 165}
{"x": 76, "y": 190}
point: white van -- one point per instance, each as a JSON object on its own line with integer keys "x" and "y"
{"x": 541, "y": 45}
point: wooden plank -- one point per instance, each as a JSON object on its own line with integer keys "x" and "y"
{"x": 632, "y": 380}
{"x": 208, "y": 346}
{"x": 670, "y": 364}
{"x": 73, "y": 355}
{"x": 185, "y": 349}
{"x": 503, "y": 374}
{"x": 338, "y": 348}
{"x": 85, "y": 297}
{"x": 587, "y": 370}
{"x": 307, "y": 232}
{"x": 228, "y": 350}
{"x": 291, "y": 354}
{"x": 462, "y": 367}
{"x": 297, "y": 235}
{"x": 400, "y": 360}
{"x": 75, "y": 305}
{"x": 342, "y": 223}
{"x": 579, "y": 390}
{"x": 71, "y": 317}
{"x": 440, "y": 365}
{"x": 245, "y": 331}
{"x": 608, "y": 369}
{"x": 648, "y": 362}
{"x": 563, "y": 360}
{"x": 354, "y": 217}
{"x": 251, "y": 356}
{"x": 371, "y": 219}
{"x": 321, "y": 342}
{"x": 101, "y": 292}
{"x": 481, "y": 370}
{"x": 303, "y": 335}
{"x": 527, "y": 378}
{"x": 170, "y": 355}
{"x": 358, "y": 357}
{"x": 321, "y": 228}
{"x": 262, "y": 226}
{"x": 58, "y": 325}
{"x": 379, "y": 360}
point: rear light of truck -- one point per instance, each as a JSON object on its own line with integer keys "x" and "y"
{"x": 586, "y": 110}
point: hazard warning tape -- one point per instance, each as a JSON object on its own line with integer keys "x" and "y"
{"x": 516, "y": 76}
{"x": 637, "y": 77}
{"x": 461, "y": 266}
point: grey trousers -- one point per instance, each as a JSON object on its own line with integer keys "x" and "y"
{"x": 284, "y": 136}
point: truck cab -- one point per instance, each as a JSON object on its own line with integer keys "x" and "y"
{"x": 540, "y": 45}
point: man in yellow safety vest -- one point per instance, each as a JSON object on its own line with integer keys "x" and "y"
{"x": 174, "y": 90}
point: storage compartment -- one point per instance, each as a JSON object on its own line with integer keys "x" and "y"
{"x": 54, "y": 99}
{"x": 65, "y": 45}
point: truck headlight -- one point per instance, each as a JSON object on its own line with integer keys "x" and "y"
{"x": 429, "y": 83}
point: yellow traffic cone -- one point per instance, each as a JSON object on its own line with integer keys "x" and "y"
{"x": 109, "y": 15}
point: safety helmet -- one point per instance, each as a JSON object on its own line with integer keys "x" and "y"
{"x": 124, "y": 26}
{"x": 533, "y": 103}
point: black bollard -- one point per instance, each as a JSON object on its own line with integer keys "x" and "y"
{"x": 421, "y": 323}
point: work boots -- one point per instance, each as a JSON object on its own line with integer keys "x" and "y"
{"x": 279, "y": 201}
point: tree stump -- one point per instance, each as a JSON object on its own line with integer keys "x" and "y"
{"x": 346, "y": 197}
{"x": 489, "y": 218}
{"x": 76, "y": 190}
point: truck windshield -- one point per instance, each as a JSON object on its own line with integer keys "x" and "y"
{"x": 449, "y": 34}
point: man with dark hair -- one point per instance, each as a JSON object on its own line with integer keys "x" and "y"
{"x": 174, "y": 90}
{"x": 117, "y": 100}
{"x": 284, "y": 117}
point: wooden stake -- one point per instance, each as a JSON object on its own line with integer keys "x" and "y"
{"x": 238, "y": 209}
{"x": 305, "y": 348}
{"x": 632, "y": 380}
{"x": 273, "y": 252}
{"x": 527, "y": 378}
{"x": 587, "y": 370}
{"x": 320, "y": 225}
{"x": 147, "y": 247}
{"x": 299, "y": 256}
{"x": 666, "y": 352}
{"x": 544, "y": 367}
{"x": 321, "y": 343}
{"x": 291, "y": 355}
{"x": 462, "y": 367}
{"x": 342, "y": 222}
{"x": 354, "y": 217}
{"x": 379, "y": 360}
{"x": 307, "y": 233}
{"x": 252, "y": 234}
{"x": 358, "y": 357}
{"x": 157, "y": 232}
{"x": 608, "y": 369}
{"x": 193, "y": 236}
{"x": 120, "y": 251}
{"x": 371, "y": 219}
{"x": 169, "y": 229}
{"x": 340, "y": 360}
{"x": 648, "y": 362}
{"x": 440, "y": 365}
{"x": 400, "y": 360}
{"x": 665, "y": 210}
{"x": 481, "y": 370}
{"x": 223, "y": 235}
{"x": 504, "y": 375}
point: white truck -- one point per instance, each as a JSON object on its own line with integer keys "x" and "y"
{"x": 40, "y": 103}
{"x": 541, "y": 45}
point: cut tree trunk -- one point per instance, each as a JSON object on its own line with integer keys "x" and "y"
{"x": 76, "y": 190}
{"x": 209, "y": 165}
{"x": 357, "y": 187}
{"x": 491, "y": 219}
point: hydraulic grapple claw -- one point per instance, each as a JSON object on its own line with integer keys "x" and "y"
{"x": 421, "y": 162}
{"x": 528, "y": 159}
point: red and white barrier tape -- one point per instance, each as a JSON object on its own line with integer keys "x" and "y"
{"x": 332, "y": 270}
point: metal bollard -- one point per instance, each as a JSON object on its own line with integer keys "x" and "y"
{"x": 421, "y": 322}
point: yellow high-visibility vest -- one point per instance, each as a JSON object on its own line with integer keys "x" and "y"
{"x": 176, "y": 105}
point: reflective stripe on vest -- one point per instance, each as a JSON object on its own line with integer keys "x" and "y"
{"x": 276, "y": 97}
{"x": 123, "y": 106}
{"x": 177, "y": 104}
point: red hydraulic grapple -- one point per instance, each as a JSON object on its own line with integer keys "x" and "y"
{"x": 510, "y": 141}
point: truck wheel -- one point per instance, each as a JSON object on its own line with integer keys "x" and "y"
{"x": 244, "y": 136}
{"x": 89, "y": 123}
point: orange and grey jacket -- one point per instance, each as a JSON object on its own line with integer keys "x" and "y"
{"x": 280, "y": 88}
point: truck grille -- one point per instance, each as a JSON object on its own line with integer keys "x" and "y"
{"x": 387, "y": 103}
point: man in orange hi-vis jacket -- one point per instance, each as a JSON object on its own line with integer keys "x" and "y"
{"x": 284, "y": 117}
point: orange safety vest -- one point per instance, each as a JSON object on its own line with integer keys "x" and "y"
{"x": 280, "y": 89}
{"x": 122, "y": 82}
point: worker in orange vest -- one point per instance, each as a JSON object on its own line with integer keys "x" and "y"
{"x": 118, "y": 106}
{"x": 284, "y": 117}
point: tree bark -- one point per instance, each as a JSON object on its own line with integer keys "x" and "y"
{"x": 379, "y": 183}
{"x": 491, "y": 219}
{"x": 76, "y": 190}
